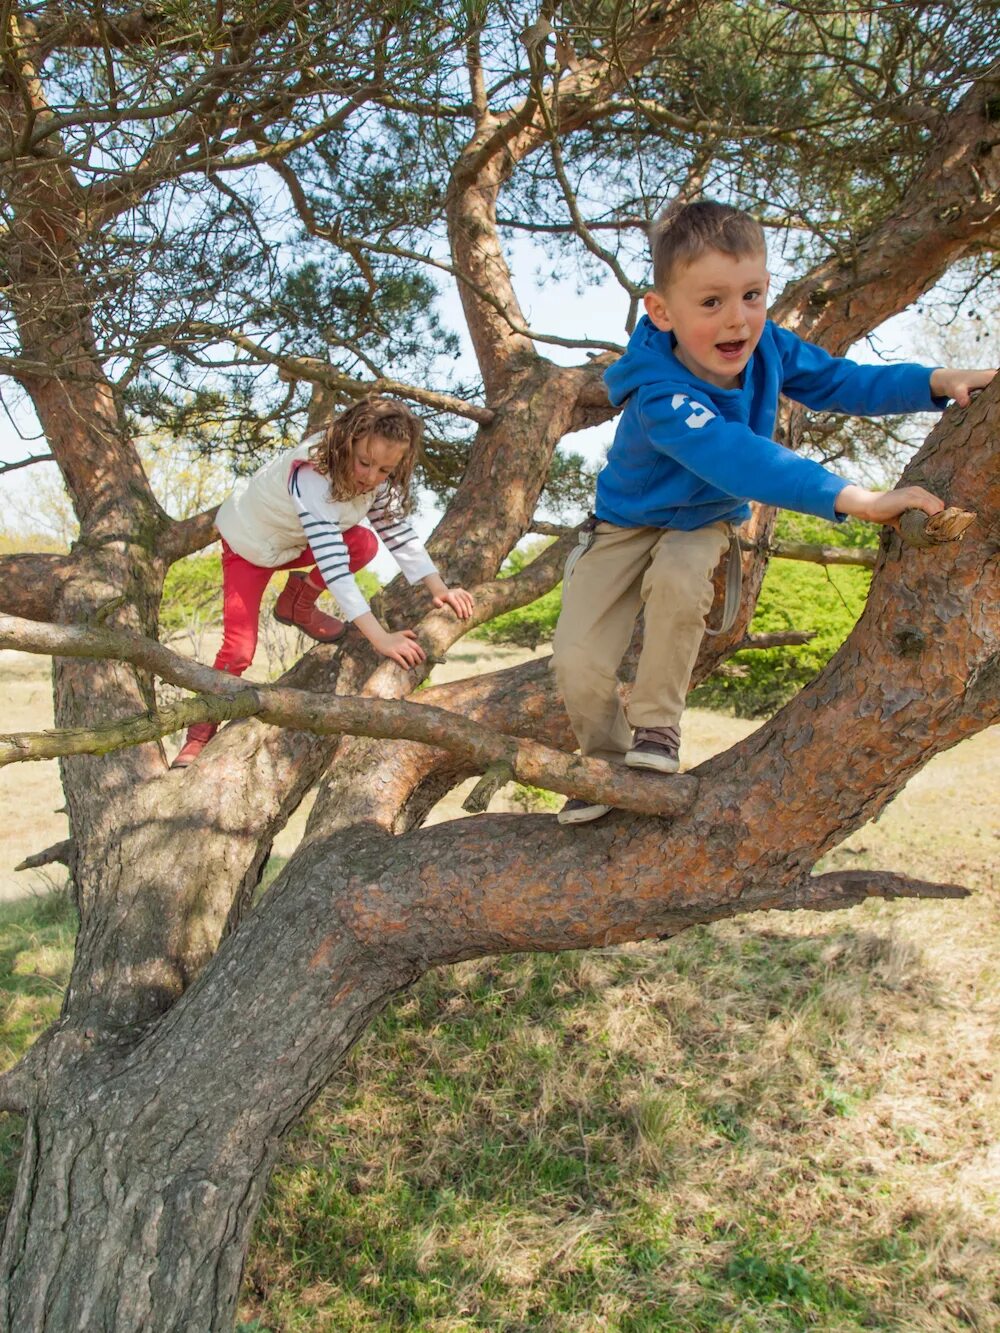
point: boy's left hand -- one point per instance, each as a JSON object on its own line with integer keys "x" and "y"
{"x": 458, "y": 599}
{"x": 959, "y": 384}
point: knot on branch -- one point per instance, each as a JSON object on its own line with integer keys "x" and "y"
{"x": 919, "y": 530}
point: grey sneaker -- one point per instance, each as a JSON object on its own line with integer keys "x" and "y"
{"x": 657, "y": 748}
{"x": 581, "y": 812}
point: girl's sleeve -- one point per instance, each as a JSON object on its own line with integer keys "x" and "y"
{"x": 407, "y": 550}
{"x": 310, "y": 495}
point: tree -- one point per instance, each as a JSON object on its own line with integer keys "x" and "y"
{"x": 208, "y": 207}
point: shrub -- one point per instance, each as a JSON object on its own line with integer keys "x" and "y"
{"x": 794, "y": 596}
{"x": 528, "y": 626}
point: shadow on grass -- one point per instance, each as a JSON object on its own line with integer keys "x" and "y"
{"x": 659, "y": 1137}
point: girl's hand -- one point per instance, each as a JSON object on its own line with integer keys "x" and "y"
{"x": 885, "y": 506}
{"x": 458, "y": 599}
{"x": 959, "y": 384}
{"x": 401, "y": 647}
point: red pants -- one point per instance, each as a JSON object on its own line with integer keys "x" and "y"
{"x": 243, "y": 587}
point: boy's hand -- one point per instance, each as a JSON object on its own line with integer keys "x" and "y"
{"x": 959, "y": 384}
{"x": 458, "y": 599}
{"x": 885, "y": 506}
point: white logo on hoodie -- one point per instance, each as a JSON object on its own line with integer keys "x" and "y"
{"x": 699, "y": 415}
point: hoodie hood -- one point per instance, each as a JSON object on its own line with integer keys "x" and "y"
{"x": 649, "y": 361}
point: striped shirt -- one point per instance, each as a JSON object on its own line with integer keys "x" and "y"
{"x": 323, "y": 521}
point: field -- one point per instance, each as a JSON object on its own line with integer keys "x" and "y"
{"x": 779, "y": 1122}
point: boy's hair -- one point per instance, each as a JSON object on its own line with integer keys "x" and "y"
{"x": 680, "y": 238}
{"x": 333, "y": 454}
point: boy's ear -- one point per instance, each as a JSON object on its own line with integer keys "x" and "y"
{"x": 657, "y": 310}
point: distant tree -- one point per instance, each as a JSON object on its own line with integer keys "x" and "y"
{"x": 233, "y": 217}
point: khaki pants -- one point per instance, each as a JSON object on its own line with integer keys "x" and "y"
{"x": 666, "y": 572}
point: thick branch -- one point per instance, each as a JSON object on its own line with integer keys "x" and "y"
{"x": 281, "y": 706}
{"x": 525, "y": 760}
{"x": 952, "y": 204}
{"x": 30, "y": 583}
{"x": 186, "y": 535}
{"x": 500, "y": 143}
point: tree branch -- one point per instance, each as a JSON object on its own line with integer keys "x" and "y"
{"x": 389, "y": 719}
{"x": 26, "y": 462}
{"x": 787, "y": 638}
{"x": 30, "y": 583}
{"x": 320, "y": 372}
{"x": 836, "y": 890}
{"x": 952, "y": 203}
{"x": 187, "y": 535}
{"x": 58, "y": 854}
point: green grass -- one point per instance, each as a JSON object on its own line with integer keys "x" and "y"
{"x": 732, "y": 1130}
{"x": 36, "y": 950}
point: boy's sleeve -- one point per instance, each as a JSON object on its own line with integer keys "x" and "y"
{"x": 821, "y": 381}
{"x": 311, "y": 496}
{"x": 736, "y": 461}
{"x": 406, "y": 548}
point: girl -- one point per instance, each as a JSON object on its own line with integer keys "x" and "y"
{"x": 303, "y": 510}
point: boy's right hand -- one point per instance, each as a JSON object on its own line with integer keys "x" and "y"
{"x": 885, "y": 506}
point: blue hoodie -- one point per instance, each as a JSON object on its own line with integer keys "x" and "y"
{"x": 687, "y": 453}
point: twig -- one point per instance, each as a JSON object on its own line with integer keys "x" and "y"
{"x": 493, "y": 780}
{"x": 58, "y": 854}
{"x": 842, "y": 888}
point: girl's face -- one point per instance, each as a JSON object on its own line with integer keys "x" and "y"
{"x": 375, "y": 459}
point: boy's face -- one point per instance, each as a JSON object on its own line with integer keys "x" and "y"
{"x": 715, "y": 307}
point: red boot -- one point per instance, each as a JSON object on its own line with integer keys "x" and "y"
{"x": 198, "y": 736}
{"x": 296, "y": 605}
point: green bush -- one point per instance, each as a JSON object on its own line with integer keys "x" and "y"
{"x": 192, "y": 590}
{"x": 795, "y": 595}
{"x": 530, "y": 625}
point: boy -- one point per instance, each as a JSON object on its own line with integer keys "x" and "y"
{"x": 700, "y": 382}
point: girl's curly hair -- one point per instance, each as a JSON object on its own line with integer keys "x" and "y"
{"x": 333, "y": 453}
